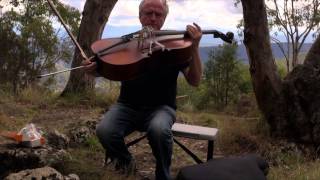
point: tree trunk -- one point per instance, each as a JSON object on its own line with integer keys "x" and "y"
{"x": 95, "y": 16}
{"x": 291, "y": 107}
{"x": 265, "y": 78}
{"x": 295, "y": 53}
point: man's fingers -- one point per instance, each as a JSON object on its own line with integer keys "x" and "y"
{"x": 86, "y": 62}
{"x": 92, "y": 64}
{"x": 197, "y": 26}
{"x": 196, "y": 29}
{"x": 90, "y": 67}
{"x": 191, "y": 30}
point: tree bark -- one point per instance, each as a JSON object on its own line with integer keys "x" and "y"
{"x": 265, "y": 78}
{"x": 95, "y": 15}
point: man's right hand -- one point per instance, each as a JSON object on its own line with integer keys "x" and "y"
{"x": 89, "y": 67}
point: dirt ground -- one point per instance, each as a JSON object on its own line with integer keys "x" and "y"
{"x": 87, "y": 161}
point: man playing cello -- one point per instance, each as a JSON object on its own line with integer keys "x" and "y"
{"x": 148, "y": 103}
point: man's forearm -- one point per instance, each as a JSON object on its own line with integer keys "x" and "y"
{"x": 194, "y": 72}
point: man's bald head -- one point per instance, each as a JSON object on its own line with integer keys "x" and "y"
{"x": 164, "y": 2}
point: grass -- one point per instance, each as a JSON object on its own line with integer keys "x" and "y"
{"x": 96, "y": 99}
{"x": 93, "y": 144}
{"x": 309, "y": 170}
{"x": 84, "y": 162}
{"x": 36, "y": 96}
{"x": 14, "y": 115}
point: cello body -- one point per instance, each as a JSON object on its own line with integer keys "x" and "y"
{"x": 132, "y": 59}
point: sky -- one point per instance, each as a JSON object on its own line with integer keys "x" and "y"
{"x": 219, "y": 15}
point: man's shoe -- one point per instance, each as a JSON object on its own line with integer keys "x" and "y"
{"x": 131, "y": 168}
{"x": 121, "y": 166}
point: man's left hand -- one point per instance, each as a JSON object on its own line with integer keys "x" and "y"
{"x": 195, "y": 33}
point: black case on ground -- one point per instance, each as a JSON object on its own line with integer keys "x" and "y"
{"x": 249, "y": 167}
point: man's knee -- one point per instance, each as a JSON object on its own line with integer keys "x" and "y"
{"x": 106, "y": 134}
{"x": 99, "y": 130}
{"x": 158, "y": 132}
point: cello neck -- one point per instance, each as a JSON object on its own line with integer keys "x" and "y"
{"x": 216, "y": 34}
{"x": 173, "y": 32}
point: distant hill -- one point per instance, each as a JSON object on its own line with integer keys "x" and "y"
{"x": 242, "y": 54}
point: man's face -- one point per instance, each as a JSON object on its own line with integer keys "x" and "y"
{"x": 152, "y": 14}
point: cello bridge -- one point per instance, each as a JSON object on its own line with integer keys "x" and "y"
{"x": 147, "y": 35}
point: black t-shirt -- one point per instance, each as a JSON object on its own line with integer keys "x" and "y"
{"x": 154, "y": 88}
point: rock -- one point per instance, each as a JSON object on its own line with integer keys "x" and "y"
{"x": 48, "y": 173}
{"x": 79, "y": 135}
{"x": 58, "y": 140}
{"x": 301, "y": 89}
{"x": 14, "y": 158}
{"x": 92, "y": 126}
{"x": 72, "y": 177}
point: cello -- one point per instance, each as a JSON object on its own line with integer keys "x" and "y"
{"x": 134, "y": 54}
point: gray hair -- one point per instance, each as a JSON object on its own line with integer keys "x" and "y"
{"x": 164, "y": 2}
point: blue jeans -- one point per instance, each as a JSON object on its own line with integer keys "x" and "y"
{"x": 122, "y": 119}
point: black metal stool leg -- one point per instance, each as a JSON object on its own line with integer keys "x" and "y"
{"x": 194, "y": 157}
{"x": 210, "y": 150}
{"x": 136, "y": 141}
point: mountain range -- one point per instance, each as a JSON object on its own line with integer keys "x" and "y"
{"x": 242, "y": 54}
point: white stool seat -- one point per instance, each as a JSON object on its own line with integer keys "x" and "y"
{"x": 194, "y": 132}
